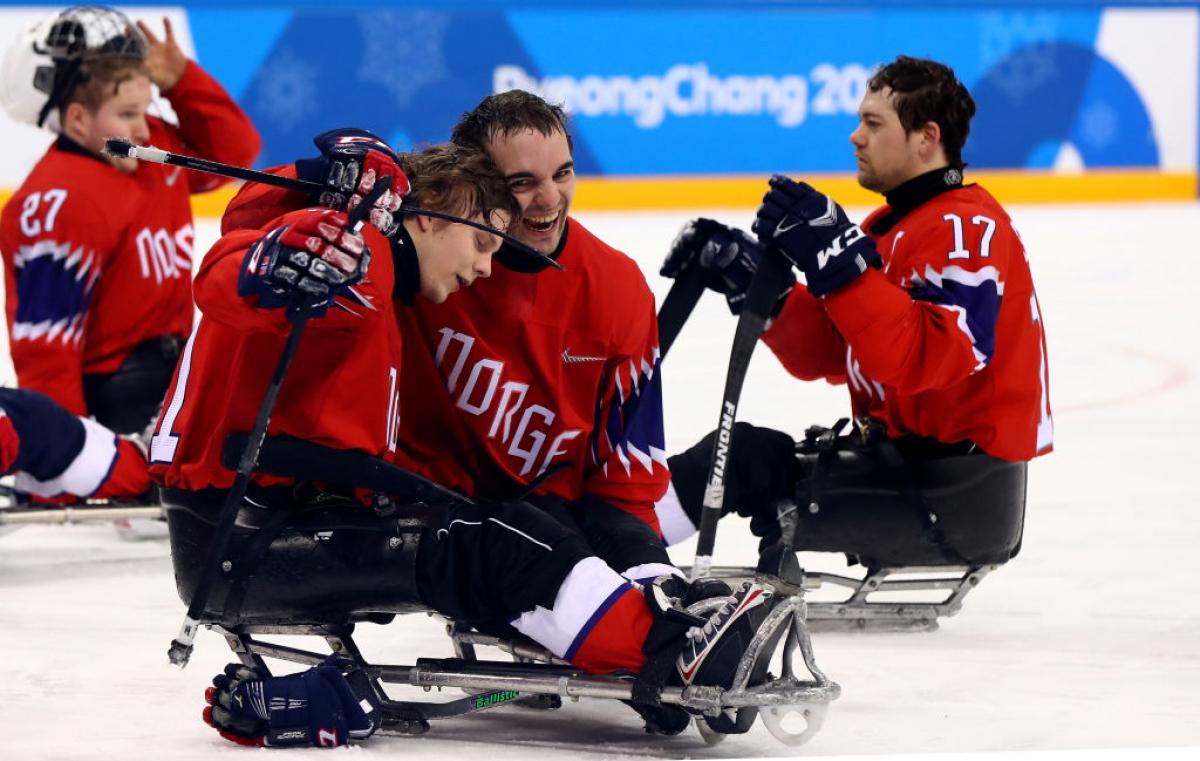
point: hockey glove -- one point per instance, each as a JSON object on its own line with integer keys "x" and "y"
{"x": 314, "y": 707}
{"x": 304, "y": 263}
{"x": 351, "y": 162}
{"x": 728, "y": 256}
{"x": 761, "y": 470}
{"x": 814, "y": 232}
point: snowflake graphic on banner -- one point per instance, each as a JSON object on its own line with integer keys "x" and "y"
{"x": 287, "y": 89}
{"x": 1099, "y": 124}
{"x": 1027, "y": 42}
{"x": 403, "y": 51}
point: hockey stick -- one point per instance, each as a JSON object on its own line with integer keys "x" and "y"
{"x": 297, "y": 458}
{"x": 761, "y": 297}
{"x": 121, "y": 148}
{"x": 181, "y": 647}
{"x": 677, "y": 307}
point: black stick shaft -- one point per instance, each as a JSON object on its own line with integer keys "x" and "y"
{"x": 764, "y": 291}
{"x": 118, "y": 147}
{"x": 241, "y": 173}
{"x": 677, "y": 307}
{"x": 181, "y": 647}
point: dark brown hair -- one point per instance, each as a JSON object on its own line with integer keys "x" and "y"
{"x": 506, "y": 114}
{"x": 927, "y": 91}
{"x": 460, "y": 180}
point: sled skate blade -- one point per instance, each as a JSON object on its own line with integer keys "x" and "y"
{"x": 781, "y": 720}
{"x": 897, "y": 598}
{"x": 709, "y": 735}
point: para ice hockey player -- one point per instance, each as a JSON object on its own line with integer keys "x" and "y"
{"x": 500, "y": 565}
{"x": 98, "y": 250}
{"x": 927, "y": 312}
{"x": 56, "y": 454}
{"x": 531, "y": 380}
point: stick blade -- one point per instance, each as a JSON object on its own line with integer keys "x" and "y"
{"x": 119, "y": 147}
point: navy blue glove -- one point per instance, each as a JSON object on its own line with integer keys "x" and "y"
{"x": 728, "y": 256}
{"x": 814, "y": 232}
{"x": 315, "y": 707}
{"x": 351, "y": 162}
{"x": 304, "y": 263}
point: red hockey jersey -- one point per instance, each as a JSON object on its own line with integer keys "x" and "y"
{"x": 946, "y": 342}
{"x": 341, "y": 390}
{"x": 98, "y": 261}
{"x": 522, "y": 373}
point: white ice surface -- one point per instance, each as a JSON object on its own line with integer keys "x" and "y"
{"x": 1089, "y": 639}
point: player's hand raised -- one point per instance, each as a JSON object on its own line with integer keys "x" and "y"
{"x": 815, "y": 233}
{"x": 351, "y": 162}
{"x": 304, "y": 263}
{"x": 165, "y": 60}
{"x": 728, "y": 257}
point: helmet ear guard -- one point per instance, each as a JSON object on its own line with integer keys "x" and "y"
{"x": 47, "y": 62}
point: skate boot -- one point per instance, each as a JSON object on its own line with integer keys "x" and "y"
{"x": 713, "y": 651}
{"x": 674, "y": 593}
{"x": 688, "y": 649}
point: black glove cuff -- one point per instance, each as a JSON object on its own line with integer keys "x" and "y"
{"x": 313, "y": 170}
{"x": 854, "y": 268}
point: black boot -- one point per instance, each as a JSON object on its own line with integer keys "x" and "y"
{"x": 670, "y": 592}
{"x": 686, "y": 649}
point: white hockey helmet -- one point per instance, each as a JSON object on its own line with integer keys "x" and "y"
{"x": 45, "y": 64}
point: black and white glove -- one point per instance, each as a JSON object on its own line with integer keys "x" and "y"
{"x": 351, "y": 162}
{"x": 815, "y": 233}
{"x": 728, "y": 256}
{"x": 304, "y": 263}
{"x": 315, "y": 707}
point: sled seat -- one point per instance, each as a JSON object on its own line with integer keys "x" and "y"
{"x": 329, "y": 563}
{"x": 926, "y": 530}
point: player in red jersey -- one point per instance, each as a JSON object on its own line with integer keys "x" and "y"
{"x": 57, "y": 456}
{"x": 546, "y": 385}
{"x": 927, "y": 312}
{"x": 542, "y": 383}
{"x": 498, "y": 565}
{"x": 98, "y": 250}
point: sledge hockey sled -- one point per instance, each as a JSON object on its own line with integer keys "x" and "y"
{"x": 326, "y": 568}
{"x": 925, "y": 531}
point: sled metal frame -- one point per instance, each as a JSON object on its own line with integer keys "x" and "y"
{"x": 85, "y": 513}
{"x": 538, "y": 679}
{"x": 857, "y": 612}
